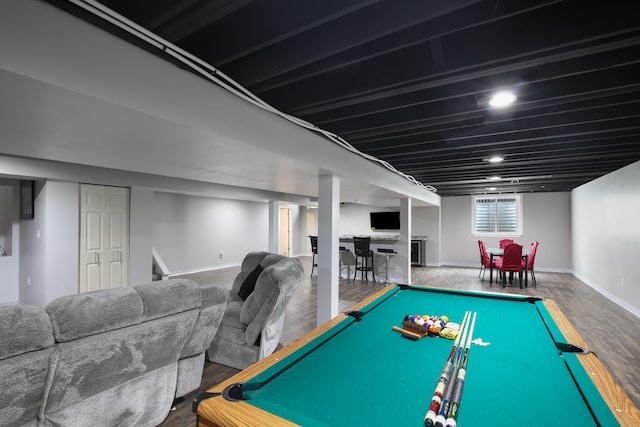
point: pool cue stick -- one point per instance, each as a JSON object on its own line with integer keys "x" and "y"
{"x": 436, "y": 400}
{"x": 459, "y": 385}
{"x": 410, "y": 334}
{"x": 448, "y": 394}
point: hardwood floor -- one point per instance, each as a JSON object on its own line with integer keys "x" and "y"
{"x": 610, "y": 331}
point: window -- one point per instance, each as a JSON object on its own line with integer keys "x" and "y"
{"x": 497, "y": 215}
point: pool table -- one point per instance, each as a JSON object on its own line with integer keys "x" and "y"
{"x": 529, "y": 370}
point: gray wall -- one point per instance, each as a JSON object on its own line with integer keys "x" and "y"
{"x": 32, "y": 286}
{"x": 189, "y": 232}
{"x": 141, "y": 234}
{"x": 10, "y": 233}
{"x": 49, "y": 244}
{"x": 546, "y": 218}
{"x": 425, "y": 221}
{"x": 606, "y": 235}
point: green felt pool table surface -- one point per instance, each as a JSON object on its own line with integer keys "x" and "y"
{"x": 363, "y": 373}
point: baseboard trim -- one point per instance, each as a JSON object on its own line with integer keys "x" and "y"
{"x": 199, "y": 270}
{"x": 631, "y": 309}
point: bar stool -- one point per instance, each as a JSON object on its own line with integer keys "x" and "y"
{"x": 314, "y": 251}
{"x": 387, "y": 253}
{"x": 364, "y": 254}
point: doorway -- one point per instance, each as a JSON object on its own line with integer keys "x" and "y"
{"x": 285, "y": 232}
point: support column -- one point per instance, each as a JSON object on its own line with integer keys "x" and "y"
{"x": 328, "y": 247}
{"x": 274, "y": 226}
{"x": 404, "y": 252}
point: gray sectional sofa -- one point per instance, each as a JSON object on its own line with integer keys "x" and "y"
{"x": 116, "y": 357}
{"x": 254, "y": 319}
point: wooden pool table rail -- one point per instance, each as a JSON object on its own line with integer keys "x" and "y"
{"x": 618, "y": 401}
{"x": 232, "y": 413}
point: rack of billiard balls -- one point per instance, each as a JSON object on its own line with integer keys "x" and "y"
{"x": 416, "y": 327}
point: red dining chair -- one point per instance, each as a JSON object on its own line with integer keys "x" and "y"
{"x": 485, "y": 259}
{"x": 531, "y": 260}
{"x": 511, "y": 262}
{"x": 484, "y": 263}
{"x": 505, "y": 242}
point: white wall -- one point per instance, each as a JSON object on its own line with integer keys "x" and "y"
{"x": 141, "y": 234}
{"x": 61, "y": 239}
{"x": 7, "y": 208}
{"x": 425, "y": 221}
{"x": 49, "y": 244}
{"x": 32, "y": 284}
{"x": 546, "y": 218}
{"x": 606, "y": 235}
{"x": 10, "y": 240}
{"x": 189, "y": 232}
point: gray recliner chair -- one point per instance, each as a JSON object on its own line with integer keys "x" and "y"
{"x": 254, "y": 318}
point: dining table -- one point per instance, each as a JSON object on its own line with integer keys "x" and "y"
{"x": 496, "y": 252}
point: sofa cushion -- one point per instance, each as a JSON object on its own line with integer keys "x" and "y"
{"x": 250, "y": 261}
{"x": 249, "y": 284}
{"x": 77, "y": 316}
{"x": 271, "y": 259}
{"x": 143, "y": 401}
{"x": 25, "y": 328}
{"x": 167, "y": 297}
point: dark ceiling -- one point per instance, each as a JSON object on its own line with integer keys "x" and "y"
{"x": 408, "y": 80}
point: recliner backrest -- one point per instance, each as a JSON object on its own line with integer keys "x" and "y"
{"x": 249, "y": 263}
{"x": 263, "y": 311}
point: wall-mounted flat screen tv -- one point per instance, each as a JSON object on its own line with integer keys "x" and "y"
{"x": 385, "y": 220}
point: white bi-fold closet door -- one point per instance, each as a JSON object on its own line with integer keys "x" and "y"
{"x": 104, "y": 237}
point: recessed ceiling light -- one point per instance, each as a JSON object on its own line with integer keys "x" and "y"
{"x": 493, "y": 178}
{"x": 491, "y": 188}
{"x": 502, "y": 99}
{"x": 496, "y": 159}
